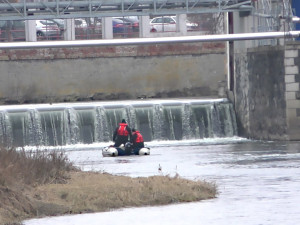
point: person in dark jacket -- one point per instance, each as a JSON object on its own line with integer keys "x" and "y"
{"x": 122, "y": 134}
{"x": 137, "y": 139}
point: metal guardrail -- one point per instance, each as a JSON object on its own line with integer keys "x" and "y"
{"x": 143, "y": 41}
{"x": 103, "y": 8}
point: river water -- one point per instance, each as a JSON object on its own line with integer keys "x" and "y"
{"x": 258, "y": 182}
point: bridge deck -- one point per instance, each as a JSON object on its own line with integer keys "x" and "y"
{"x": 103, "y": 8}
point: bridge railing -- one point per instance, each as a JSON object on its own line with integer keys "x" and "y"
{"x": 92, "y": 28}
{"x": 101, "y": 8}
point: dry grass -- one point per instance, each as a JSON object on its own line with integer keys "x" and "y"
{"x": 34, "y": 167}
{"x": 20, "y": 171}
{"x": 59, "y": 189}
{"x": 92, "y": 192}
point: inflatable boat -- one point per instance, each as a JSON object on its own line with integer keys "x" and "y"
{"x": 122, "y": 151}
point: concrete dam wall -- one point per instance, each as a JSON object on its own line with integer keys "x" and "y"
{"x": 112, "y": 73}
{"x": 267, "y": 87}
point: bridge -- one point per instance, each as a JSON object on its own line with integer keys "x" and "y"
{"x": 103, "y": 8}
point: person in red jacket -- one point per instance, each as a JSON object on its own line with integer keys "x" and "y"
{"x": 121, "y": 134}
{"x": 137, "y": 139}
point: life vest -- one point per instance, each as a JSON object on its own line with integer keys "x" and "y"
{"x": 122, "y": 131}
{"x": 139, "y": 137}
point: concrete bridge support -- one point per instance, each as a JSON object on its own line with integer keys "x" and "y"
{"x": 292, "y": 83}
{"x": 144, "y": 26}
{"x": 69, "y": 34}
{"x": 30, "y": 30}
{"x": 107, "y": 29}
{"x": 266, "y": 83}
{"x": 267, "y": 92}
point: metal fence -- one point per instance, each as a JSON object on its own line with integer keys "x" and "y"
{"x": 91, "y": 28}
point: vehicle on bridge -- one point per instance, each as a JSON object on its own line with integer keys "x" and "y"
{"x": 15, "y": 30}
{"x": 133, "y": 20}
{"x": 121, "y": 27}
{"x": 168, "y": 24}
{"x": 47, "y": 28}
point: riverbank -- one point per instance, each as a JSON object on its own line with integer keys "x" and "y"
{"x": 67, "y": 190}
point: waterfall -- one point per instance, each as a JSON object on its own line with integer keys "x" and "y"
{"x": 86, "y": 123}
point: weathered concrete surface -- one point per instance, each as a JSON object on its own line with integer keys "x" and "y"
{"x": 292, "y": 83}
{"x": 266, "y": 90}
{"x": 115, "y": 72}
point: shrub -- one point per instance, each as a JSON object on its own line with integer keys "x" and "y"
{"x": 32, "y": 167}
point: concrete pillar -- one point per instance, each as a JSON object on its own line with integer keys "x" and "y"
{"x": 69, "y": 33}
{"x": 181, "y": 24}
{"x": 144, "y": 26}
{"x": 226, "y": 26}
{"x": 107, "y": 28}
{"x": 30, "y": 30}
{"x": 244, "y": 23}
{"x": 292, "y": 92}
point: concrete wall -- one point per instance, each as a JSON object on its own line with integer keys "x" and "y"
{"x": 292, "y": 83}
{"x": 115, "y": 72}
{"x": 267, "y": 98}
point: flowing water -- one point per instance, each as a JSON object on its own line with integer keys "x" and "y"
{"x": 258, "y": 182}
{"x": 94, "y": 122}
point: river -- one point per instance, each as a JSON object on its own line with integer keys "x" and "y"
{"x": 258, "y": 182}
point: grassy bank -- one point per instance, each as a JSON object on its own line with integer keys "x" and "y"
{"x": 38, "y": 184}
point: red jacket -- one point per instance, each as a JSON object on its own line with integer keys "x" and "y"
{"x": 122, "y": 131}
{"x": 137, "y": 137}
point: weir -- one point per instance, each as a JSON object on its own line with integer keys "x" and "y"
{"x": 86, "y": 123}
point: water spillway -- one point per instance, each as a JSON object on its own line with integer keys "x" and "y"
{"x": 86, "y": 123}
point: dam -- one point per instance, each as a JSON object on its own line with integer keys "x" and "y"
{"x": 87, "y": 123}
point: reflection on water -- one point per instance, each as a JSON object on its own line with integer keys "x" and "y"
{"x": 258, "y": 183}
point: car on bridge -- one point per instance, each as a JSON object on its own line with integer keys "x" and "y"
{"x": 60, "y": 23}
{"x": 47, "y": 29}
{"x": 15, "y": 30}
{"x": 121, "y": 28}
{"x": 133, "y": 20}
{"x": 168, "y": 24}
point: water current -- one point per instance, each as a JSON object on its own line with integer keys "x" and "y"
{"x": 63, "y": 124}
{"x": 258, "y": 182}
